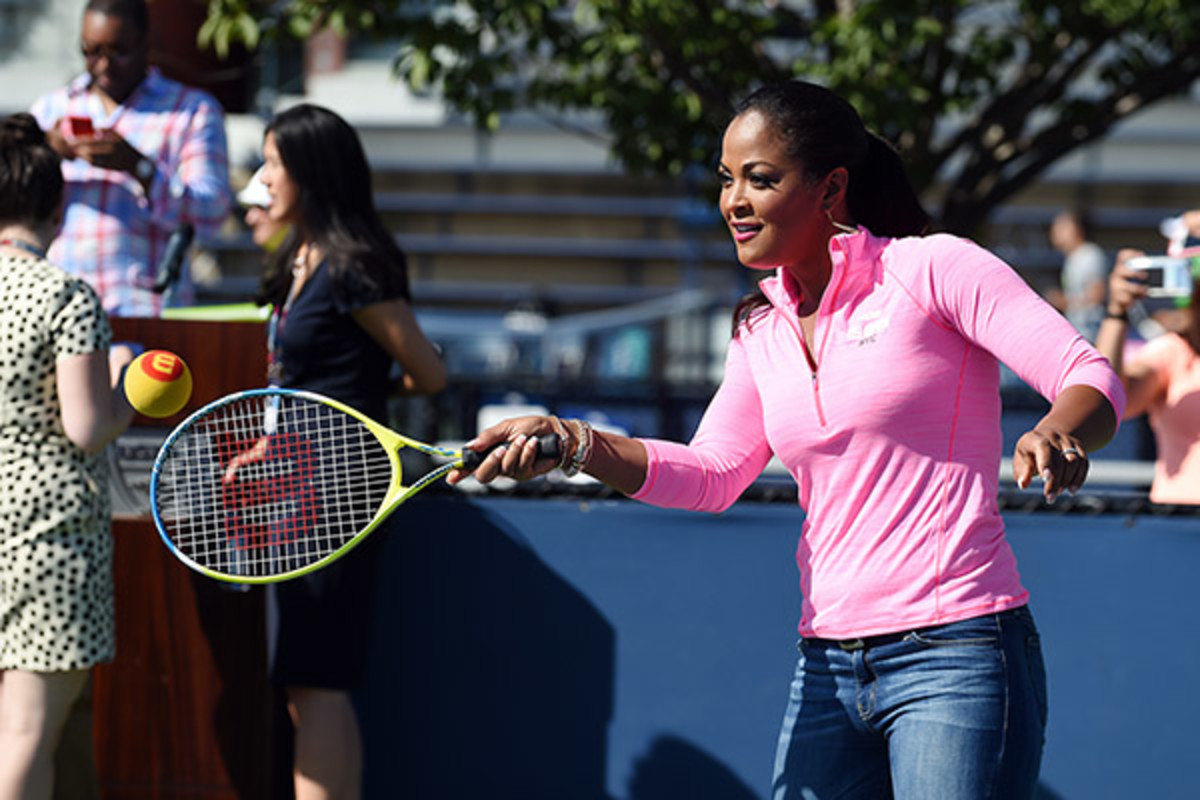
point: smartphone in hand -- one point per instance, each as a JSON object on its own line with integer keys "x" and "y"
{"x": 80, "y": 127}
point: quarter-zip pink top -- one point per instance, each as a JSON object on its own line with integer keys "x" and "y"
{"x": 894, "y": 438}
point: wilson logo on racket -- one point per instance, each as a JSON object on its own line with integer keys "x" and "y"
{"x": 271, "y": 509}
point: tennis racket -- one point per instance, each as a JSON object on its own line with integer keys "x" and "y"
{"x": 270, "y": 484}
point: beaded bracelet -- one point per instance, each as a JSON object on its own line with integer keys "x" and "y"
{"x": 583, "y": 448}
{"x": 560, "y": 429}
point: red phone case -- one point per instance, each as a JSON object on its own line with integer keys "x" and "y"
{"x": 80, "y": 127}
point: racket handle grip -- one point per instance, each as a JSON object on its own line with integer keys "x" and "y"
{"x": 549, "y": 446}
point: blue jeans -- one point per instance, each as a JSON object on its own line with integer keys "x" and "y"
{"x": 954, "y": 712}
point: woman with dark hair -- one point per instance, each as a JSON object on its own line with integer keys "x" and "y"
{"x": 61, "y": 402}
{"x": 342, "y": 316}
{"x": 1162, "y": 378}
{"x": 867, "y": 363}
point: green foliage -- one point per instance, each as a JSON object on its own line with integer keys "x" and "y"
{"x": 229, "y": 22}
{"x": 979, "y": 95}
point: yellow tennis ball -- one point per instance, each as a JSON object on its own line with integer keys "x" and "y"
{"x": 158, "y": 383}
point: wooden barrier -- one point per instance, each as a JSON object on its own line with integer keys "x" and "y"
{"x": 185, "y": 710}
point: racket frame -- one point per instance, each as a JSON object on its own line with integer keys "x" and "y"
{"x": 397, "y": 493}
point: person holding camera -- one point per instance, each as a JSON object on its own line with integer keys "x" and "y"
{"x": 1162, "y": 378}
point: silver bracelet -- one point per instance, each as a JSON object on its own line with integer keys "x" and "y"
{"x": 583, "y": 448}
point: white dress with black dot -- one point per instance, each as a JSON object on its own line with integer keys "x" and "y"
{"x": 56, "y": 589}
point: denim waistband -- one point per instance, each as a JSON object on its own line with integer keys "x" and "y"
{"x": 867, "y": 642}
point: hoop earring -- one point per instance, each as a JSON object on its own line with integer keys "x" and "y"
{"x": 841, "y": 226}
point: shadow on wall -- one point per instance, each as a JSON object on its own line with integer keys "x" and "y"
{"x": 674, "y": 769}
{"x": 493, "y": 676}
{"x": 490, "y": 675}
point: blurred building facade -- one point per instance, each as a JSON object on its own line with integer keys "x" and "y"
{"x": 490, "y": 217}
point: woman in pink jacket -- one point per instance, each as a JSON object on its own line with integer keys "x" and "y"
{"x": 868, "y": 363}
{"x": 1162, "y": 378}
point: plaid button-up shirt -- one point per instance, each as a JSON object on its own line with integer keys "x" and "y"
{"x": 114, "y": 234}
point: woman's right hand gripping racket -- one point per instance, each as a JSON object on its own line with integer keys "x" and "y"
{"x": 270, "y": 484}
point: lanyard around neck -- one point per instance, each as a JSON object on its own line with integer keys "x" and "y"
{"x": 275, "y": 330}
{"x": 23, "y": 245}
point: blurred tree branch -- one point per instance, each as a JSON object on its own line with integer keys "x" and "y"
{"x": 980, "y": 96}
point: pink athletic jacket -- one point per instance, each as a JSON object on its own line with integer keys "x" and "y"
{"x": 894, "y": 439}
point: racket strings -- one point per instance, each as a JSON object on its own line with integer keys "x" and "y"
{"x": 266, "y": 486}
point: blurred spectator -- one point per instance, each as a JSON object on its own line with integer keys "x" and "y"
{"x": 1162, "y": 377}
{"x": 254, "y": 198}
{"x": 342, "y": 315}
{"x": 1084, "y": 270}
{"x": 142, "y": 155}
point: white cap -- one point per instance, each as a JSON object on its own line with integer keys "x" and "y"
{"x": 254, "y": 193}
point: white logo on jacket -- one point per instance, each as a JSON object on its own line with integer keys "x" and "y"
{"x": 867, "y": 326}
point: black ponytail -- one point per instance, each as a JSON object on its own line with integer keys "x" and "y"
{"x": 881, "y": 197}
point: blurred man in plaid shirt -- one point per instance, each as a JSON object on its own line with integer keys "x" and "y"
{"x": 142, "y": 156}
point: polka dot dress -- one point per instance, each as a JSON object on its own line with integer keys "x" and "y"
{"x": 56, "y": 592}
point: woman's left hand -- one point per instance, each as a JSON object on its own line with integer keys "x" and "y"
{"x": 1057, "y": 458}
